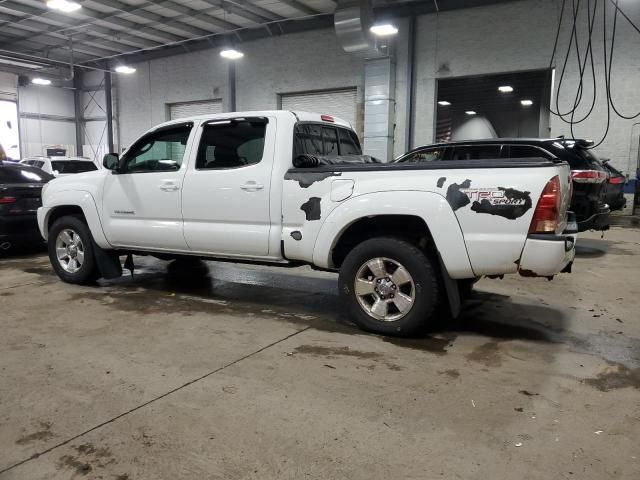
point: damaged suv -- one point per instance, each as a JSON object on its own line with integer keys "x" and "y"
{"x": 587, "y": 173}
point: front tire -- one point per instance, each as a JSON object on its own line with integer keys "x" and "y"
{"x": 390, "y": 286}
{"x": 71, "y": 251}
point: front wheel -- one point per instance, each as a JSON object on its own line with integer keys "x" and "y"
{"x": 389, "y": 286}
{"x": 71, "y": 251}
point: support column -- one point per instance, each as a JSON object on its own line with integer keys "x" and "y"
{"x": 231, "y": 93}
{"x": 109, "y": 110}
{"x": 79, "y": 117}
{"x": 379, "y": 107}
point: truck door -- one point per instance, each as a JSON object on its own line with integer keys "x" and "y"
{"x": 226, "y": 193}
{"x": 142, "y": 204}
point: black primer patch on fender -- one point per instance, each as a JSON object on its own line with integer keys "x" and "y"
{"x": 296, "y": 235}
{"x": 455, "y": 197}
{"x": 311, "y": 208}
{"x": 515, "y": 204}
{"x": 441, "y": 181}
{"x": 306, "y": 179}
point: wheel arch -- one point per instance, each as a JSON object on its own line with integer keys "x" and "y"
{"x": 425, "y": 216}
{"x": 74, "y": 203}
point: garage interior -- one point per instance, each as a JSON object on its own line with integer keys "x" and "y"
{"x": 212, "y": 369}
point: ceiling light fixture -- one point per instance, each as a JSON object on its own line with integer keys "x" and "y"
{"x": 384, "y": 29}
{"x": 470, "y": 112}
{"x": 231, "y": 54}
{"x": 64, "y": 5}
{"x": 526, "y": 103}
{"x": 125, "y": 69}
{"x": 444, "y": 103}
{"x": 505, "y": 89}
{"x": 41, "y": 81}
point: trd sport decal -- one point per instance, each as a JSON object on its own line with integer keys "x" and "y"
{"x": 504, "y": 202}
{"x": 508, "y": 203}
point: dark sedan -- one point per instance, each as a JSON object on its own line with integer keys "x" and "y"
{"x": 20, "y": 189}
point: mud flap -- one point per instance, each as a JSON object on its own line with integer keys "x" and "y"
{"x": 108, "y": 262}
{"x": 453, "y": 293}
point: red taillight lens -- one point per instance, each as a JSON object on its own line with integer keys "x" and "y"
{"x": 616, "y": 180}
{"x": 547, "y": 214}
{"x": 327, "y": 118}
{"x": 6, "y": 200}
{"x": 588, "y": 176}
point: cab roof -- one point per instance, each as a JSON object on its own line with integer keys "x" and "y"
{"x": 299, "y": 115}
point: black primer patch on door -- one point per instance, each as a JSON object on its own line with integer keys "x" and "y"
{"x": 513, "y": 205}
{"x": 311, "y": 208}
{"x": 441, "y": 181}
{"x": 306, "y": 179}
{"x": 296, "y": 235}
{"x": 455, "y": 197}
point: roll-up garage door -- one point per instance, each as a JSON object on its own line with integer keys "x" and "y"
{"x": 192, "y": 109}
{"x": 339, "y": 103}
{"x": 8, "y": 87}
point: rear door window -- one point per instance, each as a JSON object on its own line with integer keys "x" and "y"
{"x": 231, "y": 144}
{"x": 425, "y": 155}
{"x": 527, "y": 151}
{"x": 476, "y": 152}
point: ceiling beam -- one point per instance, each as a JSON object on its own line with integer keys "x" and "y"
{"x": 116, "y": 40}
{"x": 214, "y": 41}
{"x": 301, "y": 7}
{"x": 133, "y": 27}
{"x": 246, "y": 10}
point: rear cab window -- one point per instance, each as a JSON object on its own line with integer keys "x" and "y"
{"x": 324, "y": 140}
{"x": 73, "y": 166}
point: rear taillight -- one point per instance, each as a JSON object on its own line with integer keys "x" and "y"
{"x": 588, "y": 176}
{"x": 327, "y": 118}
{"x": 616, "y": 180}
{"x": 6, "y": 200}
{"x": 546, "y": 217}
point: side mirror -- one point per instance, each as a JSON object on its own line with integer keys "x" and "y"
{"x": 111, "y": 161}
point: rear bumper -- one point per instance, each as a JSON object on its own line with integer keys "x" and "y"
{"x": 19, "y": 229}
{"x": 597, "y": 221}
{"x": 547, "y": 255}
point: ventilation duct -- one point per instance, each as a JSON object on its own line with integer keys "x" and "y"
{"x": 352, "y": 20}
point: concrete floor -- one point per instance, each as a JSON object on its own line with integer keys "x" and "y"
{"x": 238, "y": 372}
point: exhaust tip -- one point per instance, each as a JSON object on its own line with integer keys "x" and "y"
{"x": 5, "y": 246}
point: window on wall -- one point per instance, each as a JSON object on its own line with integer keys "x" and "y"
{"x": 9, "y": 133}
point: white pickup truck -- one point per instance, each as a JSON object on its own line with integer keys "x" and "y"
{"x": 288, "y": 188}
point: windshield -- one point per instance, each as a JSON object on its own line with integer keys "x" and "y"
{"x": 72, "y": 166}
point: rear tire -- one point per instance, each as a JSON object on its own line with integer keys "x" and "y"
{"x": 389, "y": 286}
{"x": 70, "y": 248}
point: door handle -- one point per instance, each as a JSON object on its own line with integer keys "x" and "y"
{"x": 252, "y": 186}
{"x": 169, "y": 187}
